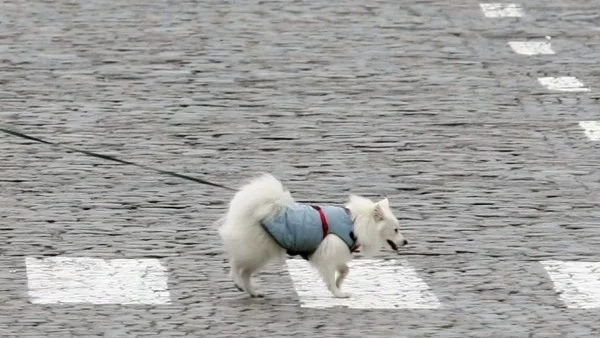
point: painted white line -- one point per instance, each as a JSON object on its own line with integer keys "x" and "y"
{"x": 531, "y": 47}
{"x": 563, "y": 84}
{"x": 577, "y": 283}
{"x": 374, "y": 284}
{"x": 98, "y": 281}
{"x": 591, "y": 129}
{"x": 501, "y": 10}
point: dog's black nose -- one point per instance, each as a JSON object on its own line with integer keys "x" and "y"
{"x": 404, "y": 242}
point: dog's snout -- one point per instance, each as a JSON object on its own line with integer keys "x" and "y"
{"x": 404, "y": 242}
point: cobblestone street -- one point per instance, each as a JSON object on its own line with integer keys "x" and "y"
{"x": 486, "y": 149}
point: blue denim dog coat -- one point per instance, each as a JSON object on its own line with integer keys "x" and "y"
{"x": 299, "y": 228}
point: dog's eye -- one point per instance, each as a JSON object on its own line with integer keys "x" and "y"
{"x": 396, "y": 230}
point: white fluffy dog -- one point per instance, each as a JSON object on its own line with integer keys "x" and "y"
{"x": 263, "y": 222}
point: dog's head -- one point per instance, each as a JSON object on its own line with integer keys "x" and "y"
{"x": 375, "y": 225}
{"x": 388, "y": 225}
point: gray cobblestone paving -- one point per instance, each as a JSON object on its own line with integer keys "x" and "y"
{"x": 420, "y": 101}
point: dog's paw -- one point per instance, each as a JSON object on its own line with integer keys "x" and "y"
{"x": 257, "y": 294}
{"x": 342, "y": 295}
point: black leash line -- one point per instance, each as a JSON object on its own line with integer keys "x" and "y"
{"x": 111, "y": 158}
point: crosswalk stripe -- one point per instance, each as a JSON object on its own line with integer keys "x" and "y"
{"x": 499, "y": 10}
{"x": 531, "y": 47}
{"x": 97, "y": 281}
{"x": 591, "y": 129}
{"x": 577, "y": 283}
{"x": 563, "y": 84}
{"x": 373, "y": 284}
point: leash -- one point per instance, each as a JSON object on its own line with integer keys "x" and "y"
{"x": 16, "y": 133}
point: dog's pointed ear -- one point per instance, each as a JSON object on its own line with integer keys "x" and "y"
{"x": 385, "y": 203}
{"x": 378, "y": 213}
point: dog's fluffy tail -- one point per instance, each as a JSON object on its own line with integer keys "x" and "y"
{"x": 262, "y": 197}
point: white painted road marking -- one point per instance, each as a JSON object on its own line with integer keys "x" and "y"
{"x": 591, "y": 129}
{"x": 577, "y": 283}
{"x": 98, "y": 281}
{"x": 374, "y": 284}
{"x": 563, "y": 84}
{"x": 500, "y": 10}
{"x": 531, "y": 47}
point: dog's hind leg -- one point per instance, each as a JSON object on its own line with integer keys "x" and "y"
{"x": 234, "y": 274}
{"x": 342, "y": 273}
{"x": 246, "y": 276}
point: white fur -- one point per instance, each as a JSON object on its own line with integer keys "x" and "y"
{"x": 250, "y": 247}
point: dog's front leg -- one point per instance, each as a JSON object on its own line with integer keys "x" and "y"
{"x": 330, "y": 281}
{"x": 342, "y": 273}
